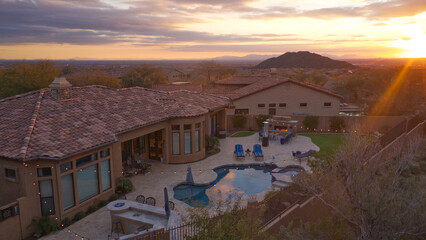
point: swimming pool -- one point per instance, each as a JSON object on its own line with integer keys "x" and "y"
{"x": 230, "y": 181}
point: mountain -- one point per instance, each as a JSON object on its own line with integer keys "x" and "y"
{"x": 302, "y": 59}
{"x": 250, "y": 57}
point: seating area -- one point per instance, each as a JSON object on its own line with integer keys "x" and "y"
{"x": 135, "y": 165}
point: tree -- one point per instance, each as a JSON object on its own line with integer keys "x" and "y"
{"x": 24, "y": 77}
{"x": 143, "y": 76}
{"x": 210, "y": 71}
{"x": 376, "y": 195}
{"x": 88, "y": 77}
{"x": 310, "y": 122}
{"x": 260, "y": 119}
{"x": 239, "y": 120}
{"x": 229, "y": 223}
{"x": 337, "y": 123}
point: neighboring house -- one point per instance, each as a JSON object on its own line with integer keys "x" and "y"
{"x": 176, "y": 87}
{"x": 275, "y": 95}
{"x": 62, "y": 148}
{"x": 175, "y": 75}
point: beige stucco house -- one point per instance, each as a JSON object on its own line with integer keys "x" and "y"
{"x": 62, "y": 148}
{"x": 275, "y": 95}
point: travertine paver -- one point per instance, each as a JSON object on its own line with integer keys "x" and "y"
{"x": 98, "y": 225}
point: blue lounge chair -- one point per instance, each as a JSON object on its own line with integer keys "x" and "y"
{"x": 257, "y": 152}
{"x": 239, "y": 152}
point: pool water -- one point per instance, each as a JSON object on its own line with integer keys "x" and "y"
{"x": 250, "y": 179}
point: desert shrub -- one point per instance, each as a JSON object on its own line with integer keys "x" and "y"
{"x": 260, "y": 119}
{"x": 123, "y": 185}
{"x": 44, "y": 226}
{"x": 310, "y": 122}
{"x": 113, "y": 197}
{"x": 102, "y": 203}
{"x": 239, "y": 120}
{"x": 337, "y": 123}
{"x": 212, "y": 145}
{"x": 91, "y": 209}
{"x": 78, "y": 216}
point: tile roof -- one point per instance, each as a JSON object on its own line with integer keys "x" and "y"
{"x": 175, "y": 87}
{"x": 241, "y": 80}
{"x": 34, "y": 125}
{"x": 265, "y": 82}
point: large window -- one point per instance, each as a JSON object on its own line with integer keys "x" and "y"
{"x": 197, "y": 140}
{"x": 87, "y": 159}
{"x": 187, "y": 140}
{"x": 65, "y": 167}
{"x": 46, "y": 198}
{"x": 176, "y": 143}
{"x": 68, "y": 191}
{"x": 87, "y": 183}
{"x": 106, "y": 175}
{"x": 44, "y": 172}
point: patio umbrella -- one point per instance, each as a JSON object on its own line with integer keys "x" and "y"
{"x": 189, "y": 178}
{"x": 166, "y": 203}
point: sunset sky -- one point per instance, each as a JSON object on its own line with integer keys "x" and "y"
{"x": 198, "y": 29}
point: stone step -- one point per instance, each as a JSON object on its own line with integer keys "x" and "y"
{"x": 280, "y": 184}
{"x": 282, "y": 177}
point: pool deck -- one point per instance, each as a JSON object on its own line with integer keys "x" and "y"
{"x": 98, "y": 224}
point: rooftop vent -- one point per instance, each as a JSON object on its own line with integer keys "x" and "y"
{"x": 61, "y": 88}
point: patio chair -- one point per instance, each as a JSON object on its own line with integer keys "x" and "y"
{"x": 257, "y": 152}
{"x": 260, "y": 136}
{"x": 172, "y": 205}
{"x": 150, "y": 201}
{"x": 239, "y": 152}
{"x": 140, "y": 199}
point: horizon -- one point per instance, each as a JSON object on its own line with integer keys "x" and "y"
{"x": 203, "y": 30}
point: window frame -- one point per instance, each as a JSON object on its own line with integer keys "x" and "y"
{"x": 303, "y": 104}
{"x": 8, "y": 178}
{"x": 280, "y": 105}
{"x": 244, "y": 111}
{"x": 327, "y": 104}
{"x": 261, "y": 105}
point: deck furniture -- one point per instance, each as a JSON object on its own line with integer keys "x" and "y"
{"x": 150, "y": 201}
{"x": 239, "y": 152}
{"x": 257, "y": 152}
{"x": 140, "y": 199}
{"x": 116, "y": 228}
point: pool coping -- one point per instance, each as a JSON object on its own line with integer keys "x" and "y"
{"x": 244, "y": 197}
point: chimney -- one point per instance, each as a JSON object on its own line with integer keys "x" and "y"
{"x": 60, "y": 88}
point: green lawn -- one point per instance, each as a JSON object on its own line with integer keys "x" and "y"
{"x": 243, "y": 134}
{"x": 326, "y": 142}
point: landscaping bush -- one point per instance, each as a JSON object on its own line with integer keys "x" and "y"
{"x": 102, "y": 203}
{"x": 78, "y": 216}
{"x": 239, "y": 120}
{"x": 44, "y": 226}
{"x": 66, "y": 222}
{"x": 91, "y": 209}
{"x": 310, "y": 122}
{"x": 261, "y": 118}
{"x": 212, "y": 145}
{"x": 337, "y": 123}
{"x": 123, "y": 185}
{"x": 113, "y": 197}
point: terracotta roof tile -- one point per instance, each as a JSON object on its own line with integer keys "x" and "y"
{"x": 265, "y": 82}
{"x": 93, "y": 116}
{"x": 176, "y": 87}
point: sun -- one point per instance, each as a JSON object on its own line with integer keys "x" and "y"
{"x": 415, "y": 47}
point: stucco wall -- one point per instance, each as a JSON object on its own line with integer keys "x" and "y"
{"x": 13, "y": 188}
{"x": 292, "y": 95}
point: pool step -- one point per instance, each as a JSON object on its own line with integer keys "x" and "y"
{"x": 280, "y": 184}
{"x": 280, "y": 177}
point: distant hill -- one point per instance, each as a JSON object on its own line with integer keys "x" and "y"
{"x": 302, "y": 59}
{"x": 250, "y": 57}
